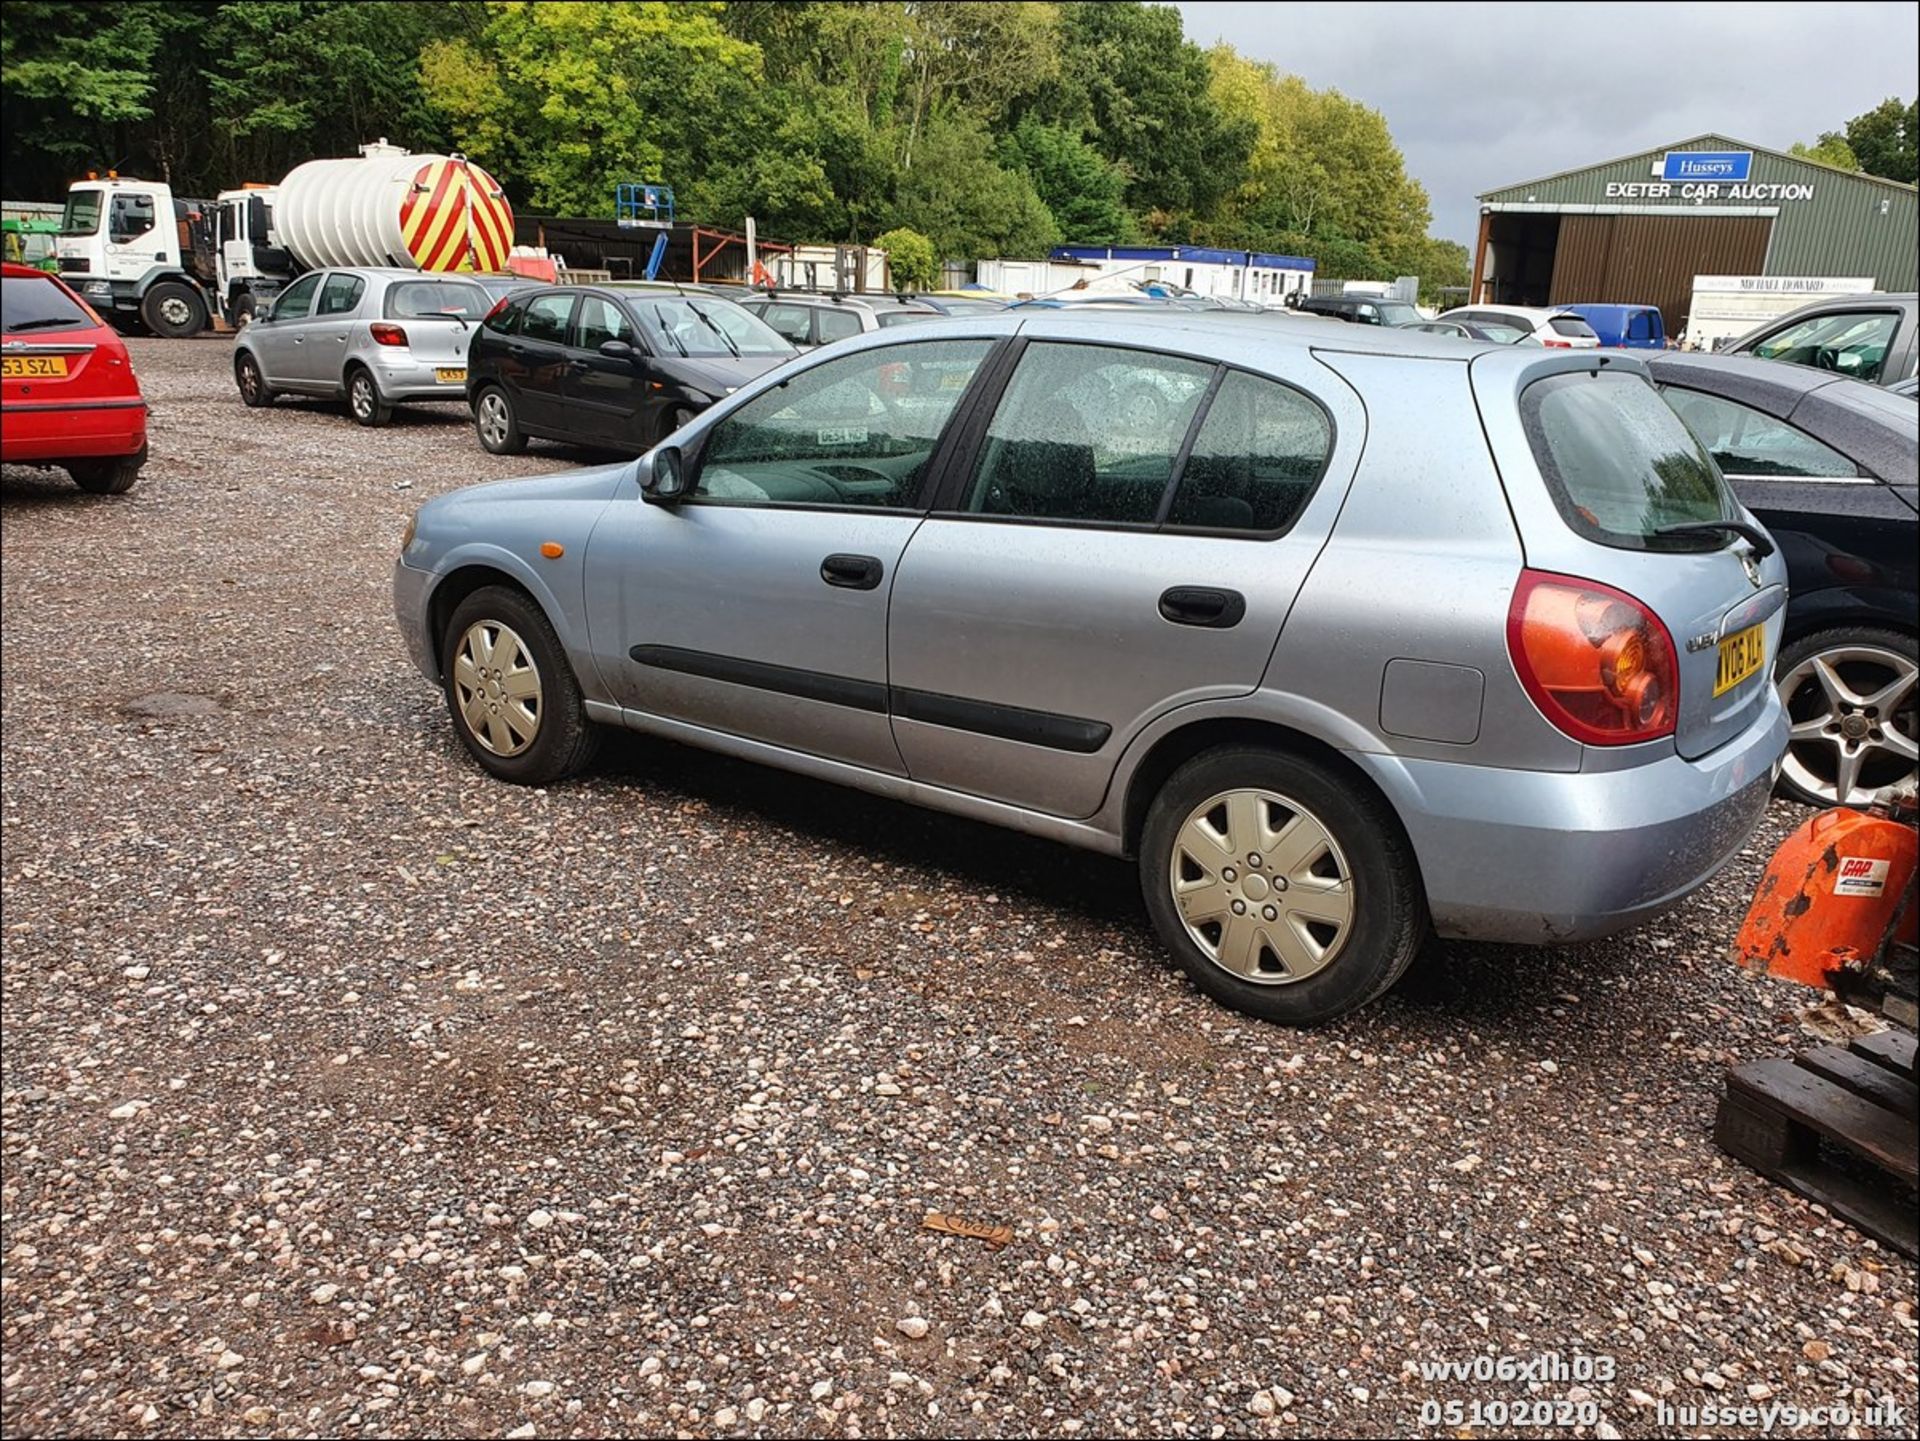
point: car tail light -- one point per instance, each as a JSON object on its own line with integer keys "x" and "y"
{"x": 498, "y": 306}
{"x": 1598, "y": 663}
{"x": 385, "y": 334}
{"x": 1558, "y": 344}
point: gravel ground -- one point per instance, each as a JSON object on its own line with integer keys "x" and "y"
{"x": 348, "y": 1090}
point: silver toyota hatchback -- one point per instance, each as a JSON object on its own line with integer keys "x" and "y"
{"x": 374, "y": 338}
{"x": 1351, "y": 635}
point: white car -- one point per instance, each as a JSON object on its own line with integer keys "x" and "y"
{"x": 1555, "y": 329}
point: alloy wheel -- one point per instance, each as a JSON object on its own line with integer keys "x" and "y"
{"x": 362, "y": 395}
{"x": 497, "y": 687}
{"x": 493, "y": 420}
{"x": 1851, "y": 709}
{"x": 1262, "y": 886}
{"x": 249, "y": 379}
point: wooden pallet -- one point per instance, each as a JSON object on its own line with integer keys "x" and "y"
{"x": 1839, "y": 1127}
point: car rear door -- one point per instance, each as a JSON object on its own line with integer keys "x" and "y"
{"x": 1124, "y": 535}
{"x": 1598, "y": 469}
{"x": 533, "y": 366}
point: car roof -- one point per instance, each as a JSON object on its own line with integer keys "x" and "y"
{"x": 1607, "y": 307}
{"x": 1539, "y": 315}
{"x": 1879, "y": 431}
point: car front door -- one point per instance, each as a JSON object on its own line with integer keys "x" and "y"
{"x": 1099, "y": 560}
{"x": 607, "y": 395}
{"x": 534, "y": 366}
{"x": 757, "y": 607}
{"x": 278, "y": 339}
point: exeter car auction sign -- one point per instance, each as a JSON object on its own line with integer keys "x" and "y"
{"x": 1703, "y": 175}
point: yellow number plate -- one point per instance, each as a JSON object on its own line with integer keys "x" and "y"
{"x": 1740, "y": 656}
{"x": 450, "y": 376}
{"x": 33, "y": 367}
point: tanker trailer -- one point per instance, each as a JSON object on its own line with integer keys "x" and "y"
{"x": 417, "y": 212}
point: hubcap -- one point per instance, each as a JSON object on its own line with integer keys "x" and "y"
{"x": 175, "y": 311}
{"x": 493, "y": 420}
{"x": 362, "y": 395}
{"x": 1852, "y": 712}
{"x": 497, "y": 688}
{"x": 1262, "y": 887}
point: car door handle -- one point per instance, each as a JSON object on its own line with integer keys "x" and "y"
{"x": 1203, "y": 606}
{"x": 578, "y": 364}
{"x": 853, "y": 572}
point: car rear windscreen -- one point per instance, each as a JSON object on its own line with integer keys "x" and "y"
{"x": 29, "y": 303}
{"x": 1620, "y": 465}
{"x": 1572, "y": 325}
{"x": 436, "y": 299}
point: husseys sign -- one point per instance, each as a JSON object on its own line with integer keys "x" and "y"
{"x": 1703, "y": 175}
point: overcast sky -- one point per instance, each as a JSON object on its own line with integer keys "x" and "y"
{"x": 1484, "y": 95}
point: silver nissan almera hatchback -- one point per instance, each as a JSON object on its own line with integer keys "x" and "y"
{"x": 1347, "y": 635}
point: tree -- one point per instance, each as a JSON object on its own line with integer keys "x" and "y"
{"x": 1884, "y": 140}
{"x": 572, "y": 99}
{"x": 1086, "y": 192}
{"x": 910, "y": 259}
{"x": 1830, "y": 149}
{"x": 965, "y": 203}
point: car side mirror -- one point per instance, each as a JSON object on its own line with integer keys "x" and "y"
{"x": 616, "y": 350}
{"x": 665, "y": 480}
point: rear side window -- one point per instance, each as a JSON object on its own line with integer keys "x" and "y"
{"x": 546, "y": 317}
{"x": 1260, "y": 452}
{"x": 1748, "y": 442}
{"x": 1640, "y": 326}
{"x": 433, "y": 299}
{"x": 29, "y": 303}
{"x": 506, "y": 320}
{"x": 340, "y": 295}
{"x": 1620, "y": 465}
{"x": 1087, "y": 433}
{"x": 837, "y": 325}
{"x": 1572, "y": 325}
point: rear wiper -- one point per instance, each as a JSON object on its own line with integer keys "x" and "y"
{"x": 1761, "y": 542}
{"x": 43, "y": 322}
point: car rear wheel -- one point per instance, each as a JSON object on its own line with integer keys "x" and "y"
{"x": 1283, "y": 890}
{"x": 364, "y": 400}
{"x": 1850, "y": 695}
{"x": 114, "y": 475}
{"x": 253, "y": 385}
{"x": 496, "y": 424}
{"x": 514, "y": 698}
{"x": 174, "y": 309}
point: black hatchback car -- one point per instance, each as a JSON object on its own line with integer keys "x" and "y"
{"x": 615, "y": 367}
{"x": 1829, "y": 466}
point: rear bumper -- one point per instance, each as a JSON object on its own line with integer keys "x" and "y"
{"x": 403, "y": 378}
{"x": 52, "y": 430}
{"x": 1539, "y": 858}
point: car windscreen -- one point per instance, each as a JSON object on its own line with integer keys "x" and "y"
{"x": 82, "y": 215}
{"x": 437, "y": 299}
{"x": 1572, "y": 325}
{"x": 1620, "y": 465}
{"x": 686, "y": 325}
{"x": 30, "y": 303}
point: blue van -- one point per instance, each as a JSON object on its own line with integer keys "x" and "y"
{"x": 1624, "y": 327}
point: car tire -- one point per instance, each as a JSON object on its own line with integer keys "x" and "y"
{"x": 243, "y": 311}
{"x": 364, "y": 402}
{"x": 1857, "y": 722}
{"x": 1331, "y": 908}
{"x": 496, "y": 424}
{"x": 114, "y": 475}
{"x": 174, "y": 309}
{"x": 254, "y": 391}
{"x": 531, "y": 745}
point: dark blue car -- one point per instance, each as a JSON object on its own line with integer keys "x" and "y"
{"x": 1624, "y": 327}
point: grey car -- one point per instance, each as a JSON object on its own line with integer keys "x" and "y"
{"x": 1362, "y": 634}
{"x": 809, "y": 318}
{"x": 1868, "y": 337}
{"x": 374, "y": 338}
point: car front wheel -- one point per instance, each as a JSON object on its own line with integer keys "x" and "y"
{"x": 514, "y": 698}
{"x": 1284, "y": 891}
{"x": 254, "y": 391}
{"x": 1850, "y": 695}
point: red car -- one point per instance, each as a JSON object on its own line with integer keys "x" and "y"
{"x": 68, "y": 395}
